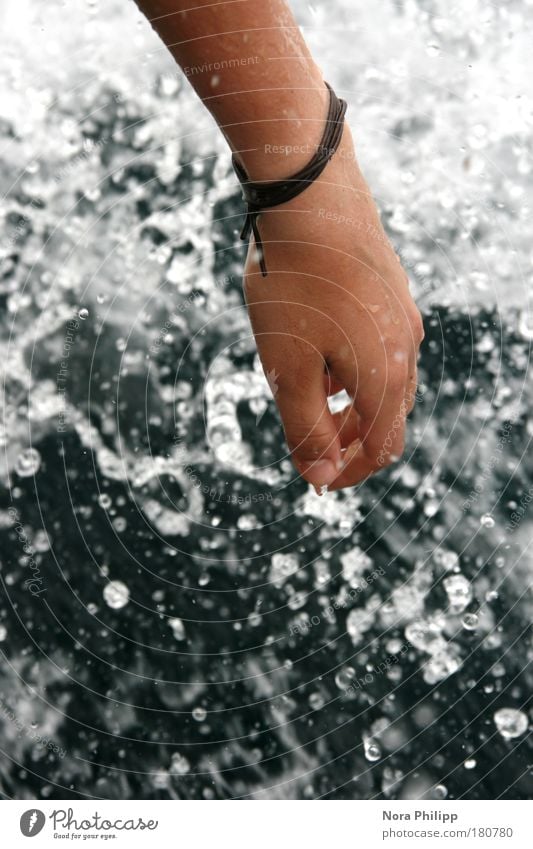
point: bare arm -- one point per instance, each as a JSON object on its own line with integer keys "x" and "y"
{"x": 267, "y": 89}
{"x": 335, "y": 311}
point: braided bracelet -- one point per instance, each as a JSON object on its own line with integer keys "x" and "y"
{"x": 260, "y": 196}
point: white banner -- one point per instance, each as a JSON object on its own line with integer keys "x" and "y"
{"x": 267, "y": 825}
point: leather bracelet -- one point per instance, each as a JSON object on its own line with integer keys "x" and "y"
{"x": 260, "y": 196}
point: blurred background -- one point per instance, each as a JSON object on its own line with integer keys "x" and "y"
{"x": 180, "y": 615}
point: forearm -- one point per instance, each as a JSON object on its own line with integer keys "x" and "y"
{"x": 249, "y": 63}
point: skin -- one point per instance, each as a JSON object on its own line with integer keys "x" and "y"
{"x": 335, "y": 311}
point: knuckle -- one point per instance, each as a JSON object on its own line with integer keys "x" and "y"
{"x": 306, "y": 443}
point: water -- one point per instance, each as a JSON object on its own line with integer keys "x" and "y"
{"x": 180, "y": 615}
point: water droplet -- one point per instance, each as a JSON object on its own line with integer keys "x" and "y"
{"x": 316, "y": 701}
{"x": 470, "y": 763}
{"x": 487, "y": 521}
{"x": 83, "y": 314}
{"x": 344, "y": 677}
{"x": 426, "y": 635}
{"x": 470, "y": 621}
{"x": 440, "y": 791}
{"x": 459, "y": 592}
{"x": 116, "y": 594}
{"x": 41, "y": 541}
{"x": 357, "y": 622}
{"x": 3, "y": 633}
{"x": 510, "y": 722}
{"x": 178, "y": 628}
{"x": 282, "y": 567}
{"x": 372, "y": 749}
{"x": 179, "y": 765}
{"x": 441, "y": 666}
{"x": 525, "y": 325}
{"x": 28, "y": 463}
{"x": 199, "y": 714}
{"x": 160, "y": 779}
{"x": 446, "y": 559}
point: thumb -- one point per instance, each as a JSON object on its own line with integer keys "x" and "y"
{"x": 309, "y": 426}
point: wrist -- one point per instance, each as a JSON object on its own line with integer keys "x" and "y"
{"x": 275, "y": 148}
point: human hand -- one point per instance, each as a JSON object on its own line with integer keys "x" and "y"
{"x": 335, "y": 312}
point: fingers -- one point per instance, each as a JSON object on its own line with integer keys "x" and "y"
{"x": 378, "y": 421}
{"x": 331, "y": 385}
{"x": 309, "y": 426}
{"x": 347, "y": 423}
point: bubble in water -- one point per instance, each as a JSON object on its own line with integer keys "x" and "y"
{"x": 199, "y": 714}
{"x": 470, "y": 621}
{"x": 487, "y": 521}
{"x": 357, "y": 622}
{"x": 459, "y": 592}
{"x": 3, "y": 633}
{"x": 104, "y": 501}
{"x": 354, "y": 563}
{"x": 41, "y": 541}
{"x": 248, "y": 522}
{"x": 282, "y": 567}
{"x": 440, "y": 666}
{"x": 426, "y": 635}
{"x": 116, "y": 594}
{"x": 440, "y": 791}
{"x": 431, "y": 508}
{"x": 179, "y": 765}
{"x": 83, "y": 314}
{"x": 525, "y": 325}
{"x": 372, "y": 749}
{"x": 344, "y": 677}
{"x": 28, "y": 463}
{"x": 446, "y": 559}
{"x": 160, "y": 779}
{"x": 433, "y": 50}
{"x": 470, "y": 763}
{"x": 510, "y": 722}
{"x": 316, "y": 701}
{"x": 297, "y": 600}
{"x": 178, "y": 628}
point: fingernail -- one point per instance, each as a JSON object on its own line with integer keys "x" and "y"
{"x": 320, "y": 473}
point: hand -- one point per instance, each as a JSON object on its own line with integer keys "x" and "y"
{"x": 335, "y": 312}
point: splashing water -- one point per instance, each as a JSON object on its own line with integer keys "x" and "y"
{"x": 251, "y": 630}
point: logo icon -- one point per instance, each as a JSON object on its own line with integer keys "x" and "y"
{"x": 32, "y": 822}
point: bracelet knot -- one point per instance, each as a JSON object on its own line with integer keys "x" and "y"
{"x": 262, "y": 195}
